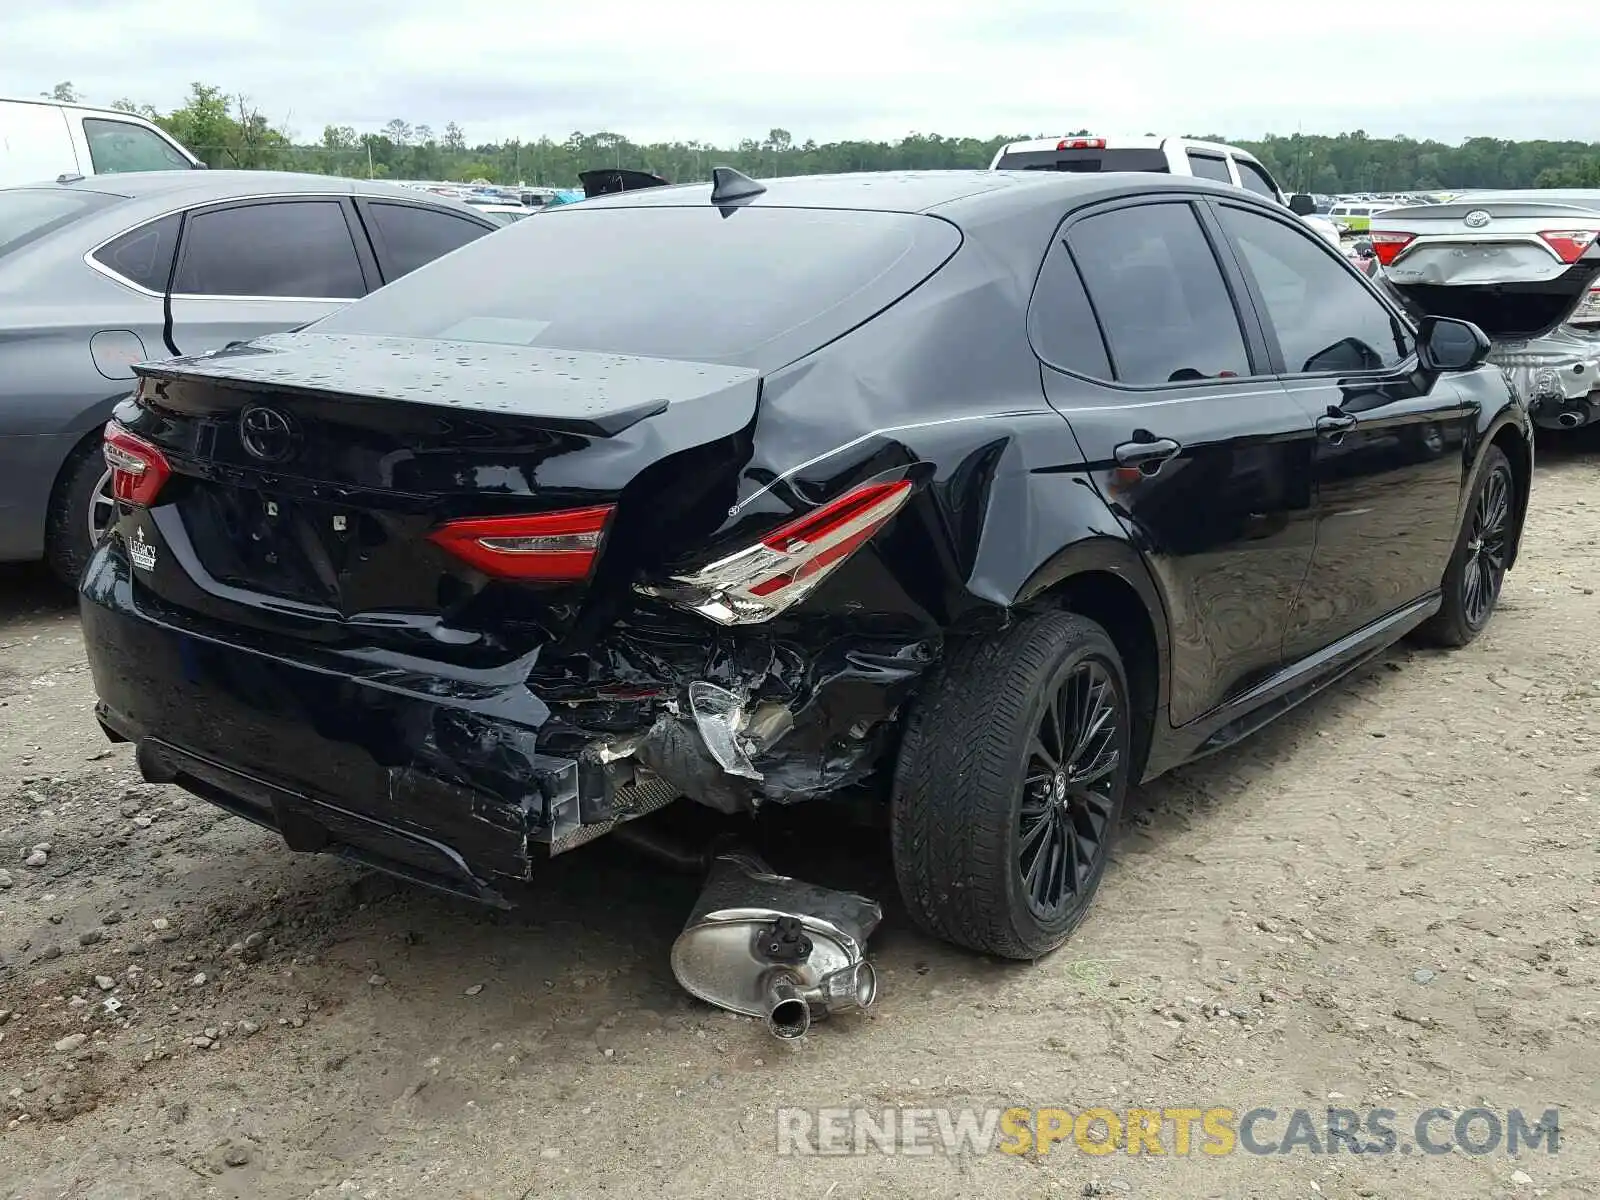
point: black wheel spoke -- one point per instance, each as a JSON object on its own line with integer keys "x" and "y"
{"x": 1071, "y": 777}
{"x": 1101, "y": 767}
{"x": 1485, "y": 565}
{"x": 1040, "y": 830}
{"x": 1097, "y": 712}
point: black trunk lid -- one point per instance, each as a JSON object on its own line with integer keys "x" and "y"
{"x": 310, "y": 469}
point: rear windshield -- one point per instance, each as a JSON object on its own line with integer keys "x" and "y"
{"x": 753, "y": 287}
{"x": 27, "y": 214}
{"x": 1084, "y": 160}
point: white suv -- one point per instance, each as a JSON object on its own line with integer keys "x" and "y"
{"x": 1162, "y": 155}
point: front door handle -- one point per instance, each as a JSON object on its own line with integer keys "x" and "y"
{"x": 1147, "y": 456}
{"x": 1335, "y": 425}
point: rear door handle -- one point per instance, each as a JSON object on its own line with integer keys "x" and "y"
{"x": 1147, "y": 456}
{"x": 1335, "y": 424}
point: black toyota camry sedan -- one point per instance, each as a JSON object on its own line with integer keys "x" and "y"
{"x": 983, "y": 495}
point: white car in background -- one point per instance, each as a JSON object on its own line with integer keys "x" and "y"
{"x": 45, "y": 139}
{"x": 1162, "y": 155}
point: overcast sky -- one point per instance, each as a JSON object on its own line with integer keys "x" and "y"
{"x": 831, "y": 69}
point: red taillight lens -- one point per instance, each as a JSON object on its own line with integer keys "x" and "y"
{"x": 1387, "y": 246}
{"x": 138, "y": 470}
{"x": 756, "y": 584}
{"x": 1081, "y": 144}
{"x": 1569, "y": 244}
{"x": 557, "y": 547}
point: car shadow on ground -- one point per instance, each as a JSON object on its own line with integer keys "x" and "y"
{"x": 28, "y": 589}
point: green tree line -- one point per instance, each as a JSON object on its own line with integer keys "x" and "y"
{"x": 228, "y": 130}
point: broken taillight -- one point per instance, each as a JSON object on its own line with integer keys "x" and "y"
{"x": 553, "y": 547}
{"x": 138, "y": 469}
{"x": 1569, "y": 244}
{"x": 1386, "y": 246}
{"x": 758, "y": 583}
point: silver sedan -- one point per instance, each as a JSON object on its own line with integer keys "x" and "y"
{"x": 100, "y": 273}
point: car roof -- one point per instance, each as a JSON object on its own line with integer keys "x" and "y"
{"x": 75, "y": 105}
{"x": 956, "y": 195}
{"x": 197, "y": 187}
{"x": 1149, "y": 142}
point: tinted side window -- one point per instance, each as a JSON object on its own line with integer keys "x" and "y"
{"x": 1325, "y": 318}
{"x": 413, "y": 235}
{"x": 1061, "y": 324}
{"x": 1254, "y": 178}
{"x": 144, "y": 255}
{"x": 122, "y": 146}
{"x": 300, "y": 248}
{"x": 1209, "y": 166}
{"x": 1159, "y": 294}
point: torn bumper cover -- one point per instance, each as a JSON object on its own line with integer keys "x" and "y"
{"x": 453, "y": 777}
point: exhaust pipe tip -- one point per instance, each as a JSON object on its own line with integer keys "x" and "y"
{"x": 1569, "y": 419}
{"x": 788, "y": 1014}
{"x": 866, "y": 985}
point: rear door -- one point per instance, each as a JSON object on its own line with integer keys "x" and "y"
{"x": 1197, "y": 448}
{"x": 405, "y": 236}
{"x": 1390, "y": 451}
{"x": 263, "y": 266}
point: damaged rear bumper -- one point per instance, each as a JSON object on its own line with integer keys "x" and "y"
{"x": 1558, "y": 375}
{"x": 456, "y": 778}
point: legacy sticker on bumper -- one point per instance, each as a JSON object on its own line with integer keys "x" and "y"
{"x": 142, "y": 552}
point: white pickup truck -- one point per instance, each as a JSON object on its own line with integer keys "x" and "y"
{"x": 42, "y": 139}
{"x": 1162, "y": 155}
{"x": 1525, "y": 267}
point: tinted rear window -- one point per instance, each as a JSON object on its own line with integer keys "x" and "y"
{"x": 1084, "y": 160}
{"x": 756, "y": 287}
{"x": 27, "y": 214}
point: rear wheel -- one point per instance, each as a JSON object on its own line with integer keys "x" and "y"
{"x": 1472, "y": 581}
{"x": 1009, "y": 785}
{"x": 81, "y": 511}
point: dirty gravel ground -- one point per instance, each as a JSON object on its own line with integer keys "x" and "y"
{"x": 1436, "y": 813}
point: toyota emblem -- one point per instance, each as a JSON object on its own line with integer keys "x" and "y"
{"x": 268, "y": 434}
{"x": 1476, "y": 219}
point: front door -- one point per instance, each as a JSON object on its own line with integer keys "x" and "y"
{"x": 263, "y": 266}
{"x": 1199, "y": 451}
{"x": 1391, "y": 447}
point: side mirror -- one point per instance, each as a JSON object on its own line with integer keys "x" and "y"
{"x": 1446, "y": 344}
{"x": 1302, "y": 205}
{"x": 1364, "y": 249}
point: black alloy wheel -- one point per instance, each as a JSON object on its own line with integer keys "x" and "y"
{"x": 1490, "y": 530}
{"x": 1068, "y": 792}
{"x": 1470, "y": 589}
{"x": 1014, "y": 760}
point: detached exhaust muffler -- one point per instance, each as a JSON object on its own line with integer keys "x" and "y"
{"x": 777, "y": 948}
